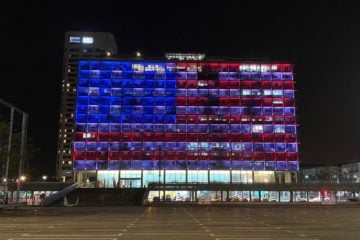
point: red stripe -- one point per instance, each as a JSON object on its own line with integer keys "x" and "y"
{"x": 184, "y": 155}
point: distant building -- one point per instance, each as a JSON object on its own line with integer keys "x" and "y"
{"x": 78, "y": 45}
{"x": 183, "y": 118}
{"x": 342, "y": 173}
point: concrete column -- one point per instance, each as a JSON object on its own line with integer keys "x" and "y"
{"x": 208, "y": 176}
{"x": 307, "y": 196}
{"x": 279, "y": 196}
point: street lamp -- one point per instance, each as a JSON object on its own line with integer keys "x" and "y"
{"x": 138, "y": 54}
{"x": 44, "y": 178}
{"x": 22, "y": 178}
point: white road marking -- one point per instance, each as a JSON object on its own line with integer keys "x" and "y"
{"x": 68, "y": 238}
{"x": 67, "y": 235}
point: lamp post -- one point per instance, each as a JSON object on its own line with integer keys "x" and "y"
{"x": 21, "y": 179}
{"x": 22, "y": 146}
{"x": 44, "y": 178}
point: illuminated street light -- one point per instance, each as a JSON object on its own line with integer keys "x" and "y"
{"x": 44, "y": 177}
{"x": 108, "y": 53}
{"x": 138, "y": 54}
{"x": 22, "y": 178}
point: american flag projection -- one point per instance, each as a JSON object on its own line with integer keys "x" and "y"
{"x": 185, "y": 115}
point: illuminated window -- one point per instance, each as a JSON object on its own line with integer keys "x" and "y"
{"x": 74, "y": 40}
{"x": 279, "y": 129}
{"x": 246, "y": 92}
{"x": 138, "y": 67}
{"x": 87, "y": 135}
{"x": 277, "y": 92}
{"x": 257, "y": 128}
{"x": 266, "y": 92}
{"x": 88, "y": 40}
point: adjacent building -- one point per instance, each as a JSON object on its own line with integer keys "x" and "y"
{"x": 78, "y": 45}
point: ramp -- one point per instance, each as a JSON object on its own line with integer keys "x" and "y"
{"x": 59, "y": 195}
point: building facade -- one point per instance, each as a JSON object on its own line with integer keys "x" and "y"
{"x": 187, "y": 121}
{"x": 78, "y": 45}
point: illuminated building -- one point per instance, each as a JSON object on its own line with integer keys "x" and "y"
{"x": 184, "y": 121}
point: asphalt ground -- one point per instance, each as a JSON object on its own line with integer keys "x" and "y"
{"x": 183, "y": 223}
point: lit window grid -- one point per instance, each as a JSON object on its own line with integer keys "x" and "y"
{"x": 135, "y": 115}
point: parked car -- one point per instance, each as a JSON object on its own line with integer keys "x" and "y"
{"x": 179, "y": 198}
{"x": 245, "y": 199}
{"x": 215, "y": 199}
{"x": 235, "y": 199}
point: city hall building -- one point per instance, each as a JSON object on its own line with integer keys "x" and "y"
{"x": 184, "y": 118}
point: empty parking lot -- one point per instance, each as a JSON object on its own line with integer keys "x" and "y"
{"x": 215, "y": 223}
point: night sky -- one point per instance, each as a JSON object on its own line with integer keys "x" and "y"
{"x": 322, "y": 39}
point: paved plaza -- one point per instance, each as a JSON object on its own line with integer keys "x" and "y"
{"x": 182, "y": 223}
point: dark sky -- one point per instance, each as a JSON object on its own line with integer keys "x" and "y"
{"x": 321, "y": 38}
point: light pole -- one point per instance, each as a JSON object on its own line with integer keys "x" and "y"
{"x": 22, "y": 146}
{"x": 22, "y": 178}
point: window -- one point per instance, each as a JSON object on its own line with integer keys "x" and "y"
{"x": 87, "y": 40}
{"x": 291, "y": 147}
{"x": 255, "y": 92}
{"x": 74, "y": 39}
{"x": 277, "y": 93}
{"x": 280, "y": 147}
{"x": 279, "y": 129}
{"x": 289, "y": 111}
{"x": 268, "y": 129}
{"x": 257, "y": 128}
{"x": 278, "y": 111}
{"x": 290, "y": 129}
{"x": 267, "y": 92}
{"x": 289, "y": 93}
{"x": 246, "y": 92}
{"x": 269, "y": 147}
{"x": 267, "y": 111}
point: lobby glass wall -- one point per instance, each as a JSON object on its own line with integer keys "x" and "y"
{"x": 141, "y": 178}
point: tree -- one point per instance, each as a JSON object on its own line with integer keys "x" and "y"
{"x": 30, "y": 151}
